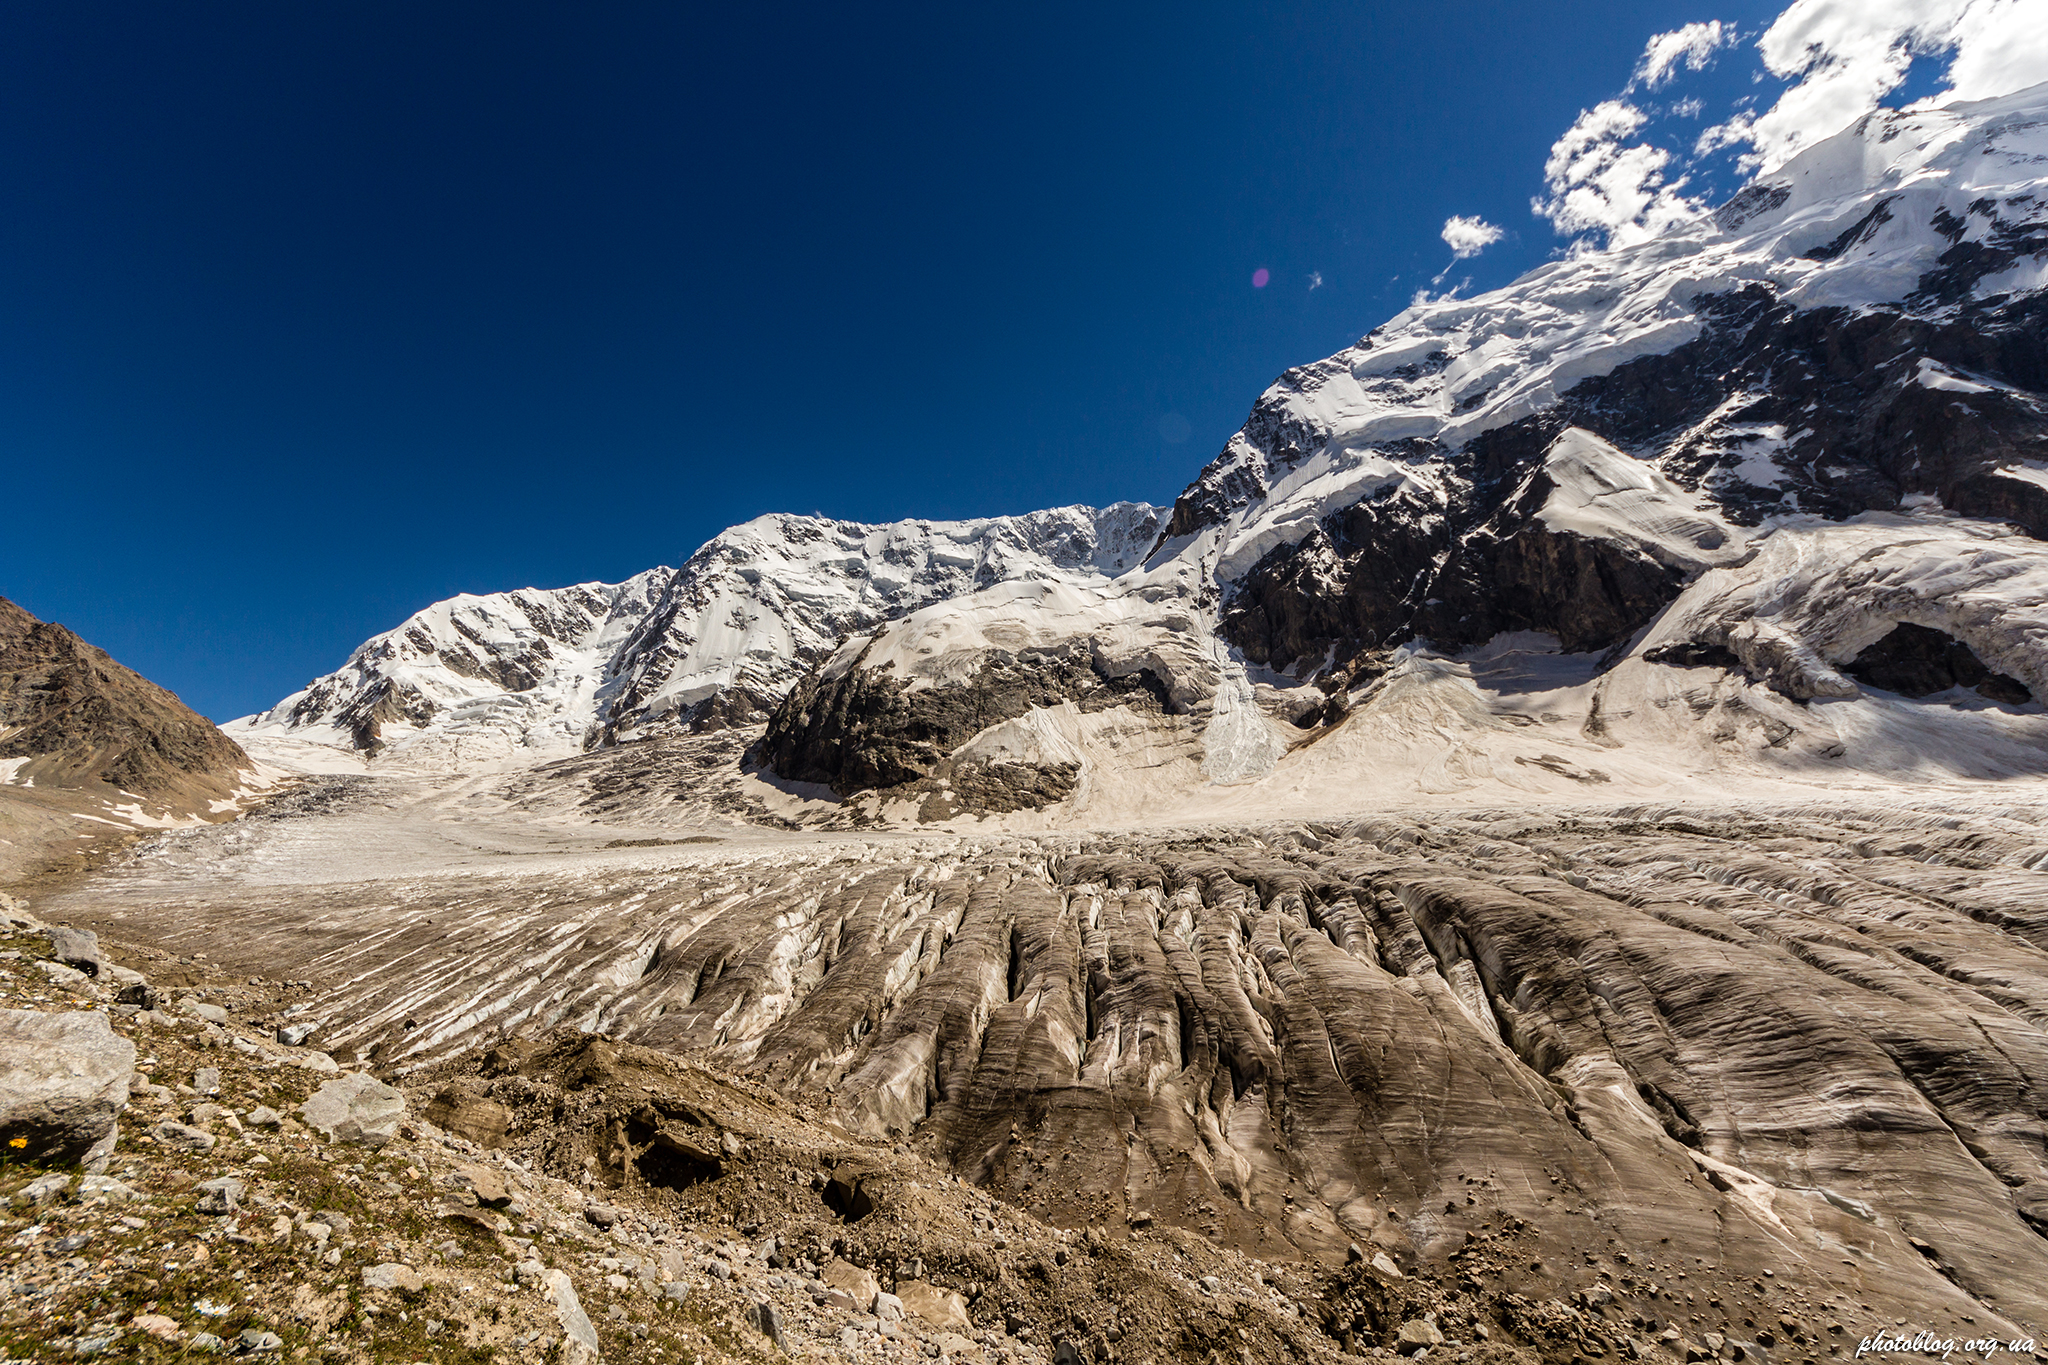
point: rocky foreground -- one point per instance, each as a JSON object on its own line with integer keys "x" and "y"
{"x": 206, "y": 1190}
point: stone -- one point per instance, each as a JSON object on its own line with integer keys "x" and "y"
{"x": 601, "y": 1215}
{"x": 857, "y": 1284}
{"x": 768, "y": 1318}
{"x": 529, "y": 1272}
{"x": 106, "y": 1189}
{"x": 295, "y": 1035}
{"x": 340, "y": 1222}
{"x": 675, "y": 1291}
{"x": 317, "y": 1061}
{"x": 393, "y": 1275}
{"x": 14, "y": 915}
{"x": 1385, "y": 1265}
{"x": 63, "y": 1084}
{"x": 156, "y": 1325}
{"x": 1417, "y": 1334}
{"x": 140, "y": 994}
{"x": 199, "y": 1009}
{"x": 78, "y": 948}
{"x": 931, "y": 1304}
{"x": 888, "y": 1307}
{"x": 465, "y": 1111}
{"x": 263, "y": 1116}
{"x": 355, "y": 1108}
{"x": 485, "y": 1183}
{"x": 60, "y": 975}
{"x": 579, "y": 1338}
{"x": 44, "y": 1188}
{"x": 220, "y": 1196}
{"x": 182, "y": 1138}
{"x": 256, "y": 1341}
{"x": 206, "y": 1080}
{"x": 207, "y": 1341}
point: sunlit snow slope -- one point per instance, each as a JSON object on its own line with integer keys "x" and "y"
{"x": 480, "y": 681}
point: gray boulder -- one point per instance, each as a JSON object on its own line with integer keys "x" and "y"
{"x": 63, "y": 1084}
{"x": 355, "y": 1108}
{"x": 78, "y": 948}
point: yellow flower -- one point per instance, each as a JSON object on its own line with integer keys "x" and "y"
{"x": 17, "y": 1142}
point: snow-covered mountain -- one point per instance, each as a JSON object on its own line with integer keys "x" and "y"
{"x": 538, "y": 673}
{"x": 1617, "y": 475}
{"x": 1582, "y": 464}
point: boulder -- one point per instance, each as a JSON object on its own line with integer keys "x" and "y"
{"x": 1417, "y": 1334}
{"x": 63, "y": 1084}
{"x": 14, "y": 915}
{"x": 467, "y": 1113}
{"x": 179, "y": 1137}
{"x": 486, "y": 1184}
{"x": 142, "y": 995}
{"x": 393, "y": 1275}
{"x": 929, "y": 1303}
{"x": 854, "y": 1282}
{"x": 220, "y": 1196}
{"x": 78, "y": 948}
{"x": 355, "y": 1108}
{"x": 769, "y": 1319}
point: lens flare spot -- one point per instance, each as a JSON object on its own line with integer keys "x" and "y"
{"x": 1260, "y": 276}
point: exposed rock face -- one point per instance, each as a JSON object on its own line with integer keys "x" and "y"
{"x": 76, "y": 718}
{"x": 867, "y": 728}
{"x": 1916, "y": 661}
{"x": 1860, "y": 332}
{"x": 1871, "y": 397}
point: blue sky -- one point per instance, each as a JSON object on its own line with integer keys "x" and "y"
{"x": 312, "y": 315}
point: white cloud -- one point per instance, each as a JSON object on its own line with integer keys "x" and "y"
{"x": 1846, "y": 55}
{"x": 1469, "y": 236}
{"x": 1315, "y": 280}
{"x": 1692, "y": 46}
{"x": 1599, "y": 182}
{"x": 1607, "y": 182}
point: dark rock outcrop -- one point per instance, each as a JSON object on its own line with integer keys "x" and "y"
{"x": 1916, "y": 661}
{"x": 862, "y": 728}
{"x": 1865, "y": 433}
